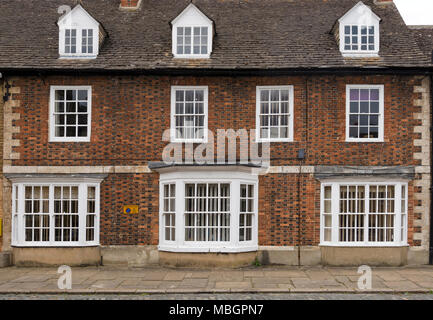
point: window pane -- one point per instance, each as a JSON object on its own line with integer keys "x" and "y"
{"x": 277, "y": 125}
{"x": 369, "y": 110}
{"x": 68, "y": 115}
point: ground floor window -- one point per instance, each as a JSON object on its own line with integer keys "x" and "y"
{"x": 364, "y": 213}
{"x": 208, "y": 214}
{"x": 55, "y": 213}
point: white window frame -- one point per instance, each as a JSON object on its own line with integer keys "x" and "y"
{"x": 192, "y": 17}
{"x": 193, "y": 55}
{"x": 18, "y": 223}
{"x": 399, "y": 223}
{"x": 360, "y": 15}
{"x": 235, "y": 179}
{"x": 79, "y": 43}
{"x": 360, "y": 53}
{"x": 173, "y": 114}
{"x": 86, "y": 44}
{"x": 381, "y": 122}
{"x": 78, "y": 19}
{"x": 52, "y": 125}
{"x": 291, "y": 113}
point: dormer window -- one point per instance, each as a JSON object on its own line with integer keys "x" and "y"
{"x": 359, "y": 38}
{"x": 192, "y": 34}
{"x": 192, "y": 40}
{"x": 79, "y": 35}
{"x": 71, "y": 41}
{"x": 358, "y": 32}
{"x": 87, "y": 41}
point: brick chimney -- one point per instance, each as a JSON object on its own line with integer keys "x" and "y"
{"x": 383, "y": 1}
{"x": 129, "y": 4}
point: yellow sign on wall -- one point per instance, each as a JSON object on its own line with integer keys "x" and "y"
{"x": 130, "y": 209}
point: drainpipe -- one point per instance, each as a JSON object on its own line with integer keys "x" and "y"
{"x": 301, "y": 158}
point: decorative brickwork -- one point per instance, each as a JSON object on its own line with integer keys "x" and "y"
{"x": 422, "y": 155}
{"x": 130, "y": 113}
{"x": 9, "y": 142}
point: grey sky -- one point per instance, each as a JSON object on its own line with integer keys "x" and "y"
{"x": 416, "y": 12}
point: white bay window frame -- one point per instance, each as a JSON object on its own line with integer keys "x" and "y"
{"x": 18, "y": 211}
{"x": 400, "y": 212}
{"x": 235, "y": 179}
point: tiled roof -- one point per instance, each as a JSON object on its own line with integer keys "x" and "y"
{"x": 250, "y": 34}
{"x": 424, "y": 38}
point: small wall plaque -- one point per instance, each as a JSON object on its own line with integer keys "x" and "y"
{"x": 130, "y": 209}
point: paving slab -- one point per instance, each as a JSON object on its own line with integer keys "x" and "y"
{"x": 319, "y": 275}
{"x": 303, "y": 283}
{"x": 174, "y": 276}
{"x": 402, "y": 285}
{"x": 233, "y": 285}
{"x": 198, "y": 274}
{"x": 193, "y": 283}
{"x": 389, "y": 275}
{"x": 226, "y": 276}
{"x": 289, "y": 273}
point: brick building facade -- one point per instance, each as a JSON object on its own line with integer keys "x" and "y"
{"x": 348, "y": 177}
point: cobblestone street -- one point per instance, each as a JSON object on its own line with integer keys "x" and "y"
{"x": 230, "y": 296}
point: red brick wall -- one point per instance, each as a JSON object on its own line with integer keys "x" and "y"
{"x": 129, "y": 114}
{"x": 118, "y": 190}
{"x": 279, "y": 209}
{"x": 128, "y": 3}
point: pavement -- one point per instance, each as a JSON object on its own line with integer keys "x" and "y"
{"x": 159, "y": 280}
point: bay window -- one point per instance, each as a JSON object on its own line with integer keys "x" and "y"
{"x": 50, "y": 213}
{"x": 215, "y": 212}
{"x": 364, "y": 213}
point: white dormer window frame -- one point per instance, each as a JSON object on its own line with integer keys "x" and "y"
{"x": 78, "y": 35}
{"x": 359, "y": 32}
{"x": 192, "y": 34}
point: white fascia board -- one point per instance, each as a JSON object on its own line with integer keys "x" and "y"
{"x": 194, "y": 11}
{"x": 352, "y": 12}
{"x": 77, "y": 10}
